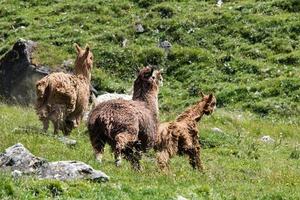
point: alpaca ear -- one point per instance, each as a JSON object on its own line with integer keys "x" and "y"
{"x": 87, "y": 50}
{"x": 210, "y": 97}
{"x": 77, "y": 47}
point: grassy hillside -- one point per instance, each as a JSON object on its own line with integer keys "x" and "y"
{"x": 247, "y": 52}
{"x": 238, "y": 165}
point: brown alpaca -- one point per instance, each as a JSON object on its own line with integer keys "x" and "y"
{"x": 62, "y": 98}
{"x": 181, "y": 136}
{"x": 128, "y": 126}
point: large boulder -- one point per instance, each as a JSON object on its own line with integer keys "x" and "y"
{"x": 18, "y": 74}
{"x": 21, "y": 162}
{"x": 17, "y": 157}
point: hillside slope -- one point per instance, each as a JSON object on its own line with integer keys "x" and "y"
{"x": 238, "y": 164}
{"x": 247, "y": 51}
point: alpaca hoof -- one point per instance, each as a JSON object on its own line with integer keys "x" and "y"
{"x": 99, "y": 158}
{"x": 201, "y": 168}
{"x": 137, "y": 167}
{"x": 118, "y": 162}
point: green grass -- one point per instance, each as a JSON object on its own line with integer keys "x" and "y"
{"x": 246, "y": 52}
{"x": 238, "y": 165}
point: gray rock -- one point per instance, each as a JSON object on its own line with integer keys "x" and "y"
{"x": 267, "y": 139}
{"x": 216, "y": 130}
{"x": 17, "y": 157}
{"x": 18, "y": 74}
{"x": 124, "y": 42}
{"x": 179, "y": 197}
{"x": 67, "y": 141}
{"x": 16, "y": 173}
{"x": 139, "y": 28}
{"x": 219, "y": 3}
{"x": 165, "y": 45}
{"x": 70, "y": 170}
{"x": 19, "y": 160}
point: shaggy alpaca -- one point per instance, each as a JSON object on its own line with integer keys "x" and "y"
{"x": 128, "y": 126}
{"x": 62, "y": 98}
{"x": 181, "y": 136}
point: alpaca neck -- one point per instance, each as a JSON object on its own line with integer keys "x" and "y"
{"x": 195, "y": 113}
{"x": 149, "y": 97}
{"x": 82, "y": 73}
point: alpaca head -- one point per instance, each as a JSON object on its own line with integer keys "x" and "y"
{"x": 210, "y": 103}
{"x": 84, "y": 61}
{"x": 145, "y": 82}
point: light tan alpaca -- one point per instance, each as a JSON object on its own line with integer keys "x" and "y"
{"x": 62, "y": 98}
{"x": 181, "y": 136}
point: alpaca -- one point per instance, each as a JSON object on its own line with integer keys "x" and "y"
{"x": 62, "y": 98}
{"x": 181, "y": 136}
{"x": 110, "y": 96}
{"x": 128, "y": 126}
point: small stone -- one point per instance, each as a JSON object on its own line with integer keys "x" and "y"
{"x": 216, "y": 130}
{"x": 16, "y": 173}
{"x": 124, "y": 42}
{"x": 67, "y": 141}
{"x": 165, "y": 44}
{"x": 139, "y": 28}
{"x": 20, "y": 161}
{"x": 179, "y": 197}
{"x": 267, "y": 139}
{"x": 219, "y": 3}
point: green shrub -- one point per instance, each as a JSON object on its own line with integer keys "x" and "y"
{"x": 164, "y": 10}
{"x": 279, "y": 45}
{"x": 181, "y": 56}
{"x": 6, "y": 188}
{"x": 290, "y": 6}
{"x": 287, "y": 59}
{"x": 147, "y": 3}
{"x": 209, "y": 139}
{"x": 295, "y": 154}
{"x": 152, "y": 56}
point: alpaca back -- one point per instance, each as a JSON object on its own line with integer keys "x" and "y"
{"x": 64, "y": 90}
{"x": 115, "y": 116}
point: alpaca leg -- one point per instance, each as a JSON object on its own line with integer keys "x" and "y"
{"x": 98, "y": 149}
{"x": 56, "y": 127}
{"x": 163, "y": 160}
{"x": 194, "y": 156}
{"x": 67, "y": 127}
{"x": 130, "y": 155}
{"x": 45, "y": 125}
{"x": 133, "y": 155}
{"x": 98, "y": 144}
{"x": 137, "y": 156}
{"x": 122, "y": 139}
